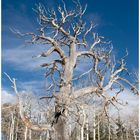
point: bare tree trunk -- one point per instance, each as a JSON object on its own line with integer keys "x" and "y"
{"x": 70, "y": 131}
{"x": 10, "y": 133}
{"x": 48, "y": 135}
{"x": 47, "y": 138}
{"x": 55, "y": 134}
{"x": 127, "y": 138}
{"x": 65, "y": 91}
{"x": 16, "y": 135}
{"x": 40, "y": 138}
{"x": 30, "y": 134}
{"x": 12, "y": 127}
{"x": 109, "y": 133}
{"x": 25, "y": 133}
{"x": 9, "y": 137}
{"x": 135, "y": 137}
{"x": 98, "y": 129}
{"x": 94, "y": 124}
{"x": 60, "y": 128}
{"x": 122, "y": 136}
{"x": 82, "y": 133}
{"x": 78, "y": 128}
{"x": 83, "y": 124}
{"x": 87, "y": 130}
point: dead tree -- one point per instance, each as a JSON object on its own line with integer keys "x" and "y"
{"x": 66, "y": 33}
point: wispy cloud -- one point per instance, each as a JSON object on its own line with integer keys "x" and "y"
{"x": 22, "y": 58}
{"x": 7, "y": 97}
{"x": 129, "y": 101}
{"x": 35, "y": 85}
{"x": 95, "y": 17}
{"x": 21, "y": 18}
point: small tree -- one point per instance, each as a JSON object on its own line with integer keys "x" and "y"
{"x": 120, "y": 131}
{"x": 66, "y": 33}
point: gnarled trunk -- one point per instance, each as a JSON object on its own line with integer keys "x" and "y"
{"x": 61, "y": 124}
{"x": 63, "y": 100}
{"x": 60, "y": 129}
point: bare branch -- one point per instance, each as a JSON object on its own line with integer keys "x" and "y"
{"x": 51, "y": 50}
{"x": 87, "y": 53}
{"x": 84, "y": 91}
{"x": 87, "y": 72}
{"x": 24, "y": 118}
{"x": 13, "y": 81}
{"x": 132, "y": 87}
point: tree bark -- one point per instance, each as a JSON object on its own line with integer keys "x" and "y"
{"x": 12, "y": 127}
{"x": 9, "y": 131}
{"x": 83, "y": 123}
{"x": 70, "y": 131}
{"x": 127, "y": 138}
{"x": 135, "y": 137}
{"x": 82, "y": 133}
{"x": 98, "y": 129}
{"x": 60, "y": 129}
{"x": 30, "y": 134}
{"x": 65, "y": 90}
{"x": 16, "y": 136}
{"x": 87, "y": 130}
{"x": 48, "y": 137}
{"x": 40, "y": 137}
{"x": 109, "y": 134}
{"x": 94, "y": 130}
{"x": 10, "y": 134}
{"x": 25, "y": 133}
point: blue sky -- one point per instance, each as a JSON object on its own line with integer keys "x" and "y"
{"x": 117, "y": 21}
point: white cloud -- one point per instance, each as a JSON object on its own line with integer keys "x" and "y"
{"x": 6, "y": 97}
{"x": 126, "y": 110}
{"x": 95, "y": 17}
{"x": 34, "y": 85}
{"x": 22, "y": 58}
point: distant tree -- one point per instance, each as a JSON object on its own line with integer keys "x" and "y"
{"x": 12, "y": 125}
{"x": 104, "y": 128}
{"x": 120, "y": 131}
